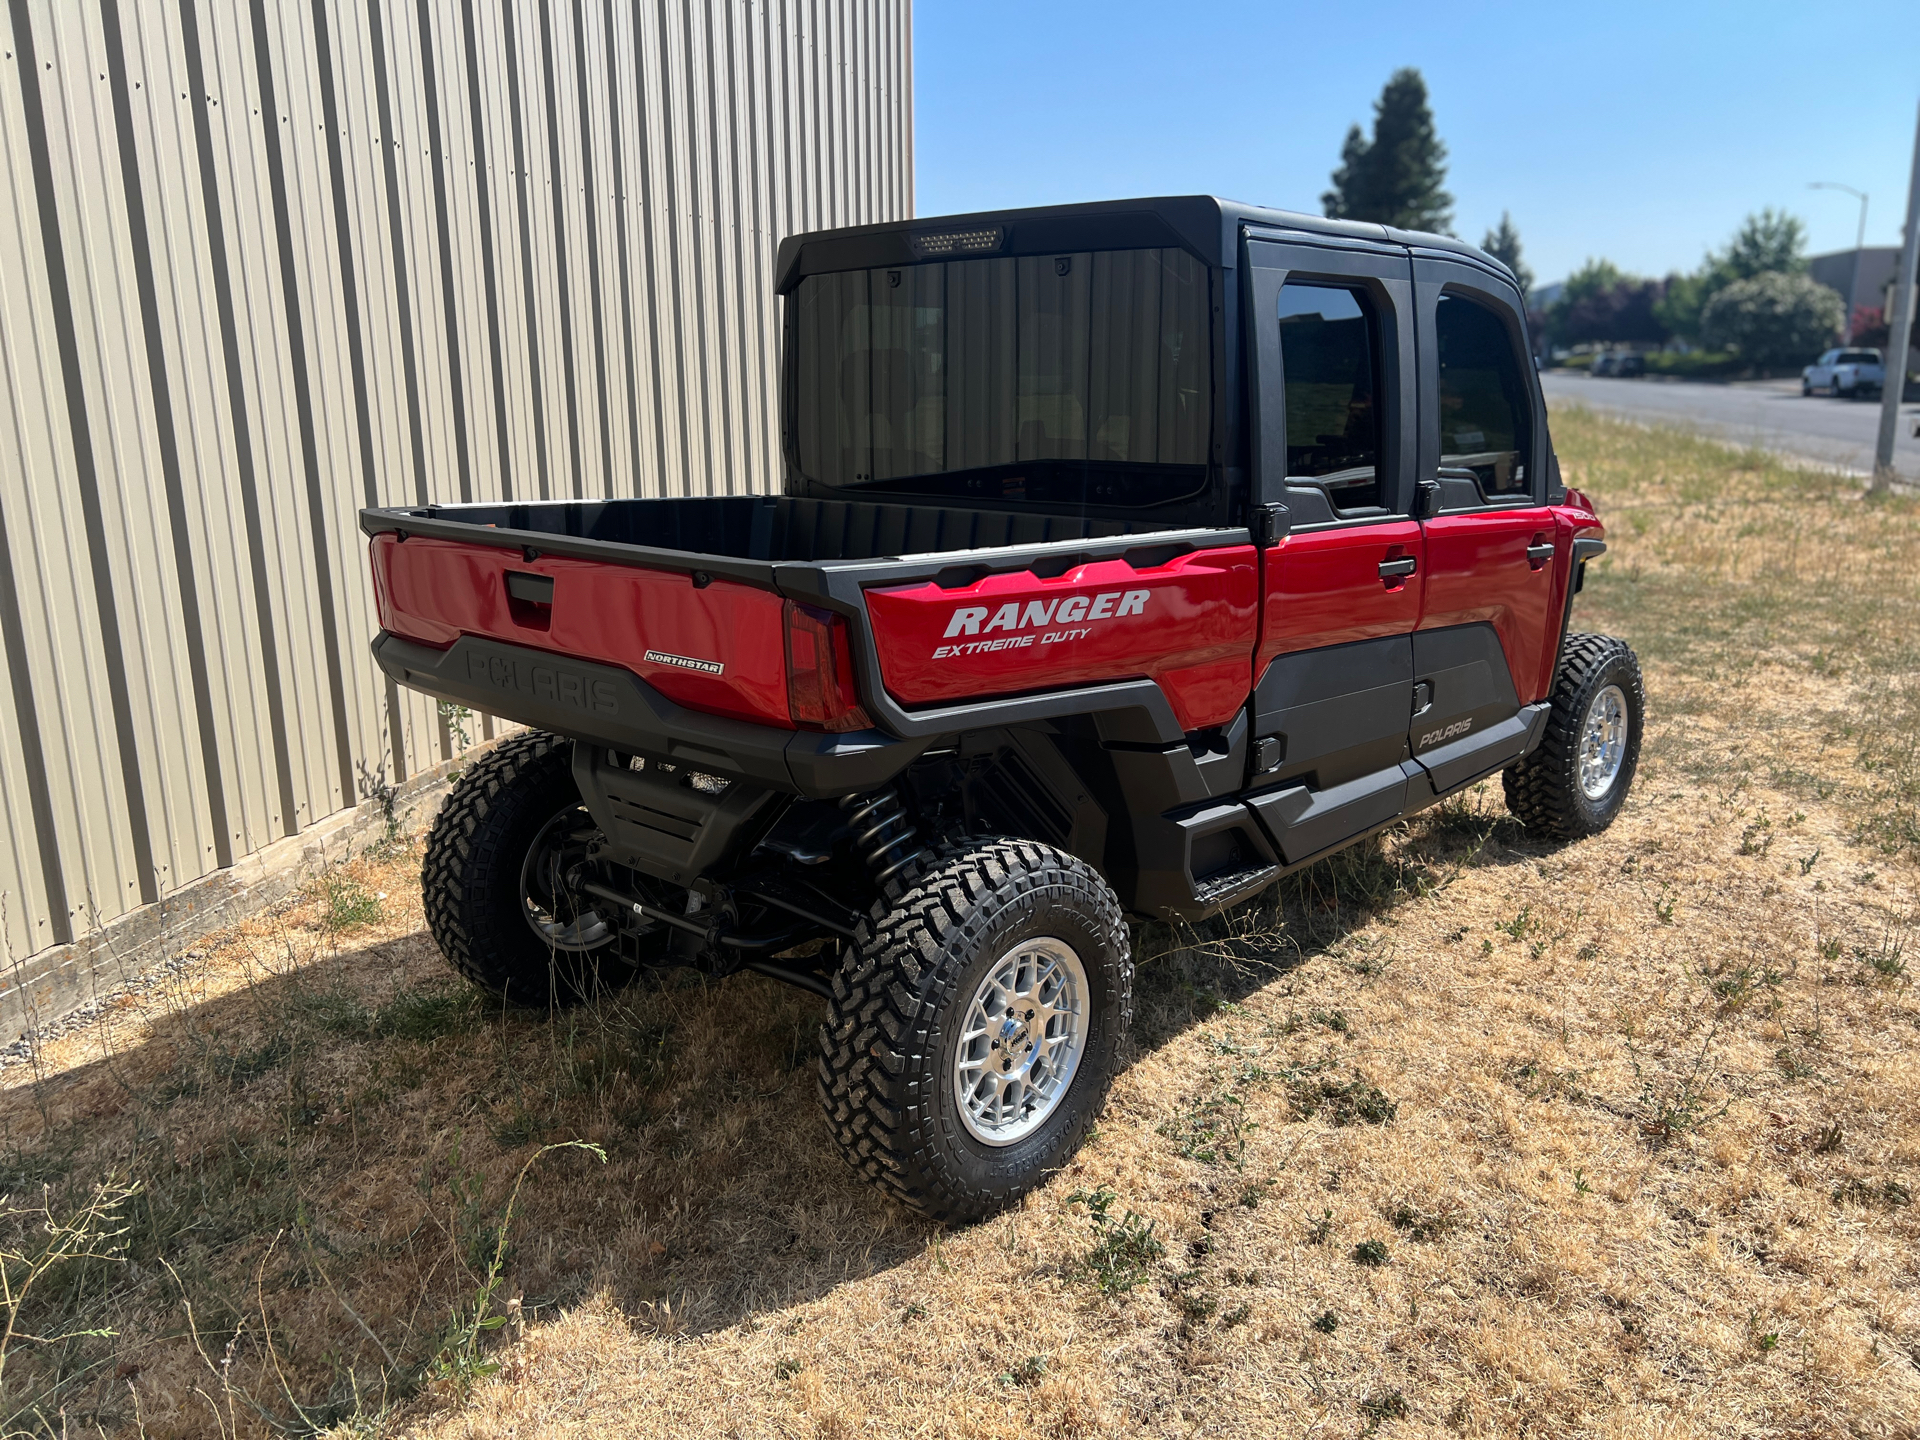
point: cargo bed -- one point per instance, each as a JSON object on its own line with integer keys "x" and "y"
{"x": 668, "y": 627}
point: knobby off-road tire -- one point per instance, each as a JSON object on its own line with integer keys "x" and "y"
{"x": 896, "y": 1023}
{"x": 1551, "y": 792}
{"x": 473, "y": 879}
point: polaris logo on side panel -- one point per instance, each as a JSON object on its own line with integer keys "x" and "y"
{"x": 1434, "y": 737}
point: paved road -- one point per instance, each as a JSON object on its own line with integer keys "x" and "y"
{"x": 1768, "y": 413}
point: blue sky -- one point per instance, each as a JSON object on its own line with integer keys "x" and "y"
{"x": 1640, "y": 132}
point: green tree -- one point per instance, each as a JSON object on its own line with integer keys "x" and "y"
{"x": 1679, "y": 309}
{"x": 1593, "y": 279}
{"x": 1600, "y": 302}
{"x": 1772, "y": 318}
{"x": 1397, "y": 177}
{"x": 1769, "y": 242}
{"x": 1504, "y": 245}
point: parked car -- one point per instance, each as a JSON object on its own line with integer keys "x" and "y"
{"x": 1852, "y": 373}
{"x": 1620, "y": 364}
{"x": 1068, "y": 614}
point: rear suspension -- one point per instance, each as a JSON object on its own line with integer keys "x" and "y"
{"x": 883, "y": 837}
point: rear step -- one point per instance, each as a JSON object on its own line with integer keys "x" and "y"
{"x": 1220, "y": 891}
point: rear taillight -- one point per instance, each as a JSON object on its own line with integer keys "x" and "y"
{"x": 820, "y": 689}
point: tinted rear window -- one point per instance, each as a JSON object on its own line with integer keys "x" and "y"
{"x": 1084, "y": 375}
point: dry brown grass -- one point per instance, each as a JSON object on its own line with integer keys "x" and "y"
{"x": 1630, "y": 1126}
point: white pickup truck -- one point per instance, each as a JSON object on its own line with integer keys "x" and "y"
{"x": 1852, "y": 373}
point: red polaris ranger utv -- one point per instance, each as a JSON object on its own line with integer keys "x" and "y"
{"x": 1127, "y": 557}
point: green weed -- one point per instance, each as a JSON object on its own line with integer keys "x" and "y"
{"x": 1855, "y": 1190}
{"x": 1423, "y": 1225}
{"x": 1886, "y": 961}
{"x": 41, "y": 1245}
{"x": 458, "y": 719}
{"x": 1124, "y": 1249}
{"x": 1028, "y": 1373}
{"x": 428, "y": 1014}
{"x": 1757, "y": 838}
{"x": 1214, "y": 1131}
{"x": 1390, "y": 1406}
{"x": 1354, "y": 1102}
{"x": 459, "y": 1358}
{"x": 345, "y": 903}
{"x": 1371, "y": 1253}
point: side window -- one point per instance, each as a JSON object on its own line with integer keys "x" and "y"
{"x": 1486, "y": 415}
{"x": 1329, "y": 339}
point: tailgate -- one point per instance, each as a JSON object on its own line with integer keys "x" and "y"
{"x": 703, "y": 641}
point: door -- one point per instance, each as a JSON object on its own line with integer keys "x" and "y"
{"x": 1341, "y": 576}
{"x": 1480, "y": 649}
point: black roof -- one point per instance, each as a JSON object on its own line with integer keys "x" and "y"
{"x": 1205, "y": 225}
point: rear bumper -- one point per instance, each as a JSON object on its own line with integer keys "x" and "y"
{"x": 606, "y": 705}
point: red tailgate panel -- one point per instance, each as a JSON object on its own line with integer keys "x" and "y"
{"x": 1189, "y": 625}
{"x": 435, "y": 591}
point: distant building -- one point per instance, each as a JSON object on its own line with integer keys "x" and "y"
{"x": 1876, "y": 266}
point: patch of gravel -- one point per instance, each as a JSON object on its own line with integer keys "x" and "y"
{"x": 23, "y": 1050}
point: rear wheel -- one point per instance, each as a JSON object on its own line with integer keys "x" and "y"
{"x": 974, "y": 1028}
{"x": 501, "y": 877}
{"x": 1574, "y": 784}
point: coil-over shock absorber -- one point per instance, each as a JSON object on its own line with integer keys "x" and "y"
{"x": 883, "y": 836}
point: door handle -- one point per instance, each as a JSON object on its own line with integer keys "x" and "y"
{"x": 1538, "y": 555}
{"x": 1398, "y": 569}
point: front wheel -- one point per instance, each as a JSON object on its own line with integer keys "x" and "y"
{"x": 975, "y": 1026}
{"x": 1574, "y": 784}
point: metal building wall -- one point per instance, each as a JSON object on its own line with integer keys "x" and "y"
{"x": 265, "y": 261}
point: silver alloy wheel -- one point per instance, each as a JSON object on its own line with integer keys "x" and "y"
{"x": 1024, "y": 1033}
{"x": 1603, "y": 742}
{"x": 544, "y": 892}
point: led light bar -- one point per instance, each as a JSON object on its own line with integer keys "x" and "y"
{"x": 983, "y": 240}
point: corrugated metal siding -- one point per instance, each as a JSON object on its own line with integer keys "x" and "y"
{"x": 265, "y": 261}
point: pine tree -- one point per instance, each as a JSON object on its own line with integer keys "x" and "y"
{"x": 1504, "y": 245}
{"x": 1396, "y": 177}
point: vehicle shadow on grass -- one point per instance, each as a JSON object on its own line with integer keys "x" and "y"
{"x": 328, "y": 1153}
{"x": 1185, "y": 972}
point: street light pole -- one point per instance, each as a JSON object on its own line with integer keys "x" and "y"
{"x": 1859, "y": 244}
{"x": 1894, "y": 386}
